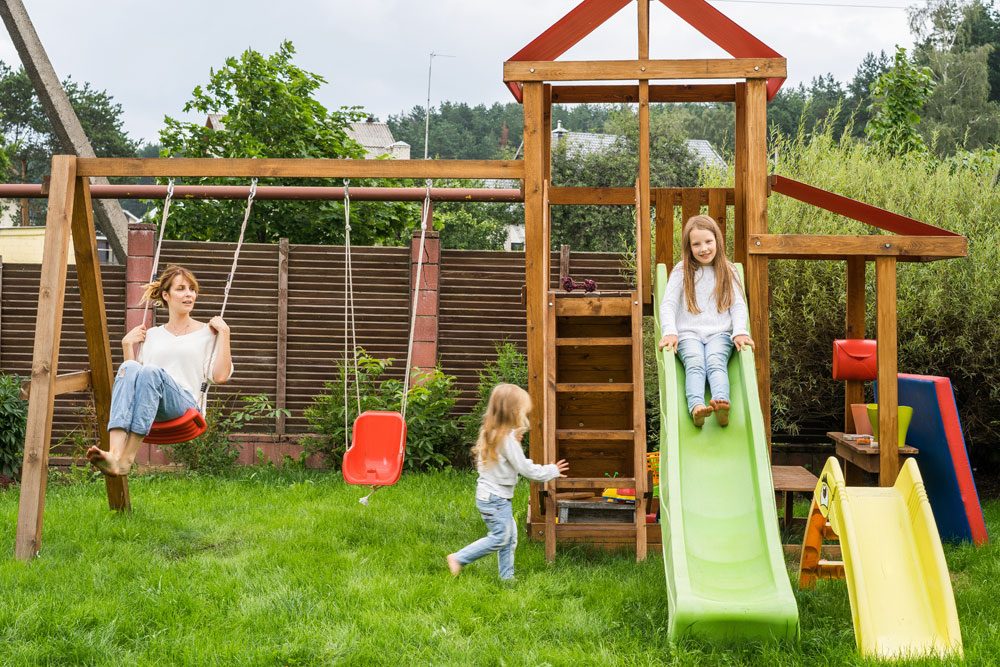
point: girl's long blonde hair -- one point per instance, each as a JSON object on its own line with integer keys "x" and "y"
{"x": 507, "y": 411}
{"x": 724, "y": 273}
{"x": 155, "y": 290}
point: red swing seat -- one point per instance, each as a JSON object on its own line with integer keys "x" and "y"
{"x": 378, "y": 444}
{"x": 188, "y": 426}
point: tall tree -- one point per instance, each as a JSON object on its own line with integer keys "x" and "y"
{"x": 268, "y": 109}
{"x": 899, "y": 94}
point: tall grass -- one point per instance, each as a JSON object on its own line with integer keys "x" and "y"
{"x": 286, "y": 568}
{"x": 948, "y": 310}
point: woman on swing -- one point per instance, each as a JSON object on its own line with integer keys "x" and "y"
{"x": 170, "y": 374}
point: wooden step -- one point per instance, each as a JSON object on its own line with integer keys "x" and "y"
{"x": 594, "y": 341}
{"x": 595, "y": 531}
{"x": 615, "y": 306}
{"x": 591, "y": 434}
{"x": 593, "y": 387}
{"x": 563, "y": 483}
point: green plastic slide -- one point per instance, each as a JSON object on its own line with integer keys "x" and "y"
{"x": 725, "y": 571}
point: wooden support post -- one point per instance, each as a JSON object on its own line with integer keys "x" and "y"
{"x": 854, "y": 390}
{"x": 755, "y": 208}
{"x": 644, "y": 239}
{"x": 639, "y": 430}
{"x": 690, "y": 206}
{"x": 665, "y": 229}
{"x": 281, "y": 371}
{"x": 717, "y": 208}
{"x": 563, "y": 260}
{"x": 45, "y": 357}
{"x": 551, "y": 506}
{"x": 888, "y": 391}
{"x": 536, "y": 280}
{"x": 739, "y": 184}
{"x": 547, "y": 135}
{"x": 95, "y": 326}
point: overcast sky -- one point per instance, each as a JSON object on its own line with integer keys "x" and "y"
{"x": 374, "y": 53}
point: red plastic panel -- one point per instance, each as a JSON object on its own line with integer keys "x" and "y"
{"x": 378, "y": 444}
{"x": 188, "y": 426}
{"x": 852, "y": 208}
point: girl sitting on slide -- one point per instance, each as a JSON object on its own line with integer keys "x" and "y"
{"x": 166, "y": 379}
{"x": 703, "y": 315}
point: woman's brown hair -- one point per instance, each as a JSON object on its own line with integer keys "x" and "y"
{"x": 155, "y": 290}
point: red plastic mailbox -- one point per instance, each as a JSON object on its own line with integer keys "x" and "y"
{"x": 377, "y": 447}
{"x": 188, "y": 426}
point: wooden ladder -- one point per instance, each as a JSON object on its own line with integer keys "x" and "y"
{"x": 595, "y": 416}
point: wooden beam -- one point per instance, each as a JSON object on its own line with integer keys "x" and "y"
{"x": 888, "y": 391}
{"x": 806, "y": 246}
{"x": 644, "y": 238}
{"x": 547, "y": 134}
{"x": 67, "y": 383}
{"x": 664, "y": 229}
{"x": 592, "y": 196}
{"x": 536, "y": 280}
{"x": 301, "y": 168}
{"x": 854, "y": 390}
{"x": 629, "y": 94}
{"x": 677, "y": 195}
{"x": 95, "y": 326}
{"x": 45, "y": 357}
{"x": 739, "y": 186}
{"x": 551, "y": 446}
{"x": 634, "y": 70}
{"x": 643, "y": 14}
{"x": 717, "y": 208}
{"x": 281, "y": 370}
{"x": 755, "y": 190}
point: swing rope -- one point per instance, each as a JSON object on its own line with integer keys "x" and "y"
{"x": 351, "y": 338}
{"x": 159, "y": 240}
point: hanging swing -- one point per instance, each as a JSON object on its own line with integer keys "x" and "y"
{"x": 192, "y": 423}
{"x": 378, "y": 439}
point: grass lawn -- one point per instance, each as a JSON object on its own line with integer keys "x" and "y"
{"x": 286, "y": 568}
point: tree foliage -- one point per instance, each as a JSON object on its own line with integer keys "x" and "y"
{"x": 899, "y": 95}
{"x": 268, "y": 110}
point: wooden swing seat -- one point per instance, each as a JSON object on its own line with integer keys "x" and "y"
{"x": 188, "y": 426}
{"x": 378, "y": 444}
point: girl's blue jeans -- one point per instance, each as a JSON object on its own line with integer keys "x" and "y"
{"x": 498, "y": 514}
{"x": 701, "y": 360}
{"x": 144, "y": 394}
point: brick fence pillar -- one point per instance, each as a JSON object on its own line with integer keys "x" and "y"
{"x": 425, "y": 336}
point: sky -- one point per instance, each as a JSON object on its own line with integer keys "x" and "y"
{"x": 375, "y": 53}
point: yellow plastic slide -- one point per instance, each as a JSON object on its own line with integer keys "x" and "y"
{"x": 897, "y": 578}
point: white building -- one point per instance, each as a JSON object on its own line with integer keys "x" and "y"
{"x": 377, "y": 140}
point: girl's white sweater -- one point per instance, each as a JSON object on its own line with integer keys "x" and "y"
{"x": 675, "y": 319}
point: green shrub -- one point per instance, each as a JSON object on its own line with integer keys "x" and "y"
{"x": 510, "y": 366}
{"x": 13, "y": 422}
{"x": 432, "y": 438}
{"x": 213, "y": 452}
{"x": 948, "y": 310}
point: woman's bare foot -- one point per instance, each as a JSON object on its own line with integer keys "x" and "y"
{"x": 453, "y": 565}
{"x": 699, "y": 413}
{"x": 721, "y": 411}
{"x": 102, "y": 460}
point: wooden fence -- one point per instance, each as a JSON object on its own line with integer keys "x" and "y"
{"x": 302, "y": 335}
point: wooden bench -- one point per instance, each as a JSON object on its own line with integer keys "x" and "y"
{"x": 789, "y": 480}
{"x": 861, "y": 459}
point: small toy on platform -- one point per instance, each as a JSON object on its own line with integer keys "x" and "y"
{"x": 613, "y": 495}
{"x": 569, "y": 284}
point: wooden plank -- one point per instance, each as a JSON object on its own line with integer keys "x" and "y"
{"x": 690, "y": 207}
{"x": 593, "y": 306}
{"x": 550, "y": 426}
{"x": 67, "y": 383}
{"x": 592, "y": 387}
{"x": 592, "y": 196}
{"x": 619, "y": 70}
{"x": 95, "y": 325}
{"x": 676, "y": 195}
{"x": 629, "y": 94}
{"x": 563, "y": 259}
{"x": 595, "y": 482}
{"x": 805, "y": 246}
{"x": 639, "y": 427}
{"x": 301, "y": 168}
{"x": 854, "y": 390}
{"x": 536, "y": 278}
{"x": 756, "y": 223}
{"x": 739, "y": 184}
{"x": 281, "y": 342}
{"x": 644, "y": 234}
{"x": 888, "y": 391}
{"x": 591, "y": 434}
{"x": 547, "y": 135}
{"x": 664, "y": 229}
{"x": 45, "y": 356}
{"x": 643, "y": 15}
{"x": 593, "y": 341}
{"x": 717, "y": 208}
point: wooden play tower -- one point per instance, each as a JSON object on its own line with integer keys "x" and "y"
{"x": 585, "y": 353}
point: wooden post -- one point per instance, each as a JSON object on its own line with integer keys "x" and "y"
{"x": 281, "y": 372}
{"x": 547, "y": 135}
{"x": 644, "y": 238}
{"x": 854, "y": 390}
{"x": 665, "y": 229}
{"x": 740, "y": 176}
{"x": 45, "y": 357}
{"x": 536, "y": 280}
{"x": 717, "y": 208}
{"x": 755, "y": 208}
{"x": 95, "y": 326}
{"x": 888, "y": 391}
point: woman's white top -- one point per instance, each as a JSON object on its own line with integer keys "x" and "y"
{"x": 185, "y": 358}
{"x": 677, "y": 320}
{"x": 500, "y": 477}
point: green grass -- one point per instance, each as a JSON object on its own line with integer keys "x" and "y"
{"x": 286, "y": 568}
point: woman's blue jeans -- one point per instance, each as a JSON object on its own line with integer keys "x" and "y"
{"x": 709, "y": 359}
{"x": 144, "y": 394}
{"x": 498, "y": 514}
